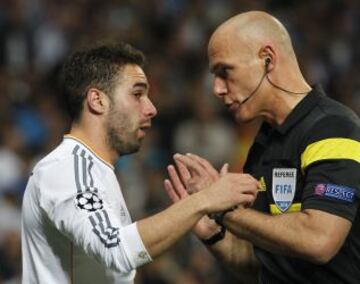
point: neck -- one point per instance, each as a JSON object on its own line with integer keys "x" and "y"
{"x": 285, "y": 96}
{"x": 94, "y": 139}
{"x": 281, "y": 106}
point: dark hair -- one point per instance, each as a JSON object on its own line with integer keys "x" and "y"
{"x": 94, "y": 67}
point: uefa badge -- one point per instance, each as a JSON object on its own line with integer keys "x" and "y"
{"x": 88, "y": 201}
{"x": 283, "y": 187}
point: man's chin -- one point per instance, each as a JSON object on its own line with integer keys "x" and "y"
{"x": 240, "y": 118}
{"x": 130, "y": 149}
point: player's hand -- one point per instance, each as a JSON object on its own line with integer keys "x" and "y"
{"x": 229, "y": 191}
{"x": 206, "y": 227}
{"x": 195, "y": 172}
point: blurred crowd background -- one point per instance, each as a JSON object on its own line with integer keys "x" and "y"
{"x": 36, "y": 35}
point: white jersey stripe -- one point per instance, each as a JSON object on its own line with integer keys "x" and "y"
{"x": 107, "y": 218}
{"x": 109, "y": 236}
{"x": 91, "y": 163}
{"x": 76, "y": 168}
{"x": 80, "y": 166}
{"x": 84, "y": 174}
{"x": 104, "y": 231}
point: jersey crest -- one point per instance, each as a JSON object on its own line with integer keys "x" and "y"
{"x": 88, "y": 201}
{"x": 284, "y": 187}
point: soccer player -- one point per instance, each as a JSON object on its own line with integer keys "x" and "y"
{"x": 76, "y": 226}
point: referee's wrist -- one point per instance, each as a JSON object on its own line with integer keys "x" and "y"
{"x": 216, "y": 237}
{"x": 219, "y": 217}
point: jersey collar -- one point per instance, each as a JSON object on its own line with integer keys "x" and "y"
{"x": 68, "y": 136}
{"x": 301, "y": 109}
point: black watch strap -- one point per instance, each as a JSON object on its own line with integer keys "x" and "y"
{"x": 219, "y": 217}
{"x": 215, "y": 238}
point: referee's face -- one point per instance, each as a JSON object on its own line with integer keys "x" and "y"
{"x": 237, "y": 72}
{"x": 130, "y": 112}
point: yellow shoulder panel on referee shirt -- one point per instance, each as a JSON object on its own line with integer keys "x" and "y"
{"x": 331, "y": 148}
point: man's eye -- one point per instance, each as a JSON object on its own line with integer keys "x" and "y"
{"x": 223, "y": 73}
{"x": 138, "y": 94}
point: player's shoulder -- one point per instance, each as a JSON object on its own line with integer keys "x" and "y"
{"x": 69, "y": 169}
{"x": 59, "y": 159}
{"x": 69, "y": 161}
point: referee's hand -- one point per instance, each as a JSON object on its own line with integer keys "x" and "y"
{"x": 223, "y": 190}
{"x": 194, "y": 172}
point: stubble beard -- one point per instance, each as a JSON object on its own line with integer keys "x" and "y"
{"x": 120, "y": 136}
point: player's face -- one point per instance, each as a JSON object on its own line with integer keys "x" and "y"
{"x": 236, "y": 75}
{"x": 130, "y": 111}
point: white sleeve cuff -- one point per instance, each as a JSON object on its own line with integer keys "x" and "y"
{"x": 133, "y": 246}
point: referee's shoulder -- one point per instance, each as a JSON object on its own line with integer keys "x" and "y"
{"x": 334, "y": 120}
{"x": 334, "y": 110}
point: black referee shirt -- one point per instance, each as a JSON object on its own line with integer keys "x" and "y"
{"x": 311, "y": 161}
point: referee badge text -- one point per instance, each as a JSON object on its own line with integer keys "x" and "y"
{"x": 283, "y": 187}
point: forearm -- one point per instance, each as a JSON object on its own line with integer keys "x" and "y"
{"x": 162, "y": 230}
{"x": 238, "y": 254}
{"x": 235, "y": 253}
{"x": 293, "y": 234}
{"x": 159, "y": 232}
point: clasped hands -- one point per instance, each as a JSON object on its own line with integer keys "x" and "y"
{"x": 220, "y": 190}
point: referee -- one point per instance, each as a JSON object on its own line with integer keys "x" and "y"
{"x": 304, "y": 226}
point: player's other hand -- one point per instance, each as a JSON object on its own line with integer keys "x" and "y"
{"x": 228, "y": 191}
{"x": 175, "y": 189}
{"x": 220, "y": 190}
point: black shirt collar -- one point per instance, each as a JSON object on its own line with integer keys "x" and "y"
{"x": 301, "y": 109}
{"x": 297, "y": 114}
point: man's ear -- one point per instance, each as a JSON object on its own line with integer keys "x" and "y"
{"x": 268, "y": 56}
{"x": 97, "y": 101}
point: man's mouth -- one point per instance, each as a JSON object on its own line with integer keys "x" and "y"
{"x": 143, "y": 128}
{"x": 233, "y": 107}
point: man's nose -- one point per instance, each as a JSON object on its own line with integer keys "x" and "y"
{"x": 219, "y": 87}
{"x": 150, "y": 109}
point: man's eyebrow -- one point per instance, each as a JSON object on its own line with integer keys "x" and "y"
{"x": 214, "y": 68}
{"x": 218, "y": 67}
{"x": 141, "y": 85}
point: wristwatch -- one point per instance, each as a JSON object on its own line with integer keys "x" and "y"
{"x": 215, "y": 238}
{"x": 218, "y": 218}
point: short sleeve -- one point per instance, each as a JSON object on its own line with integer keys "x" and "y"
{"x": 330, "y": 162}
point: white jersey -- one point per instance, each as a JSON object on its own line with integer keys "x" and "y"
{"x": 76, "y": 227}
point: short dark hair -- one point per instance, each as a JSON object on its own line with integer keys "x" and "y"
{"x": 98, "y": 67}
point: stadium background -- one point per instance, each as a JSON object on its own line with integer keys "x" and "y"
{"x": 35, "y": 35}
